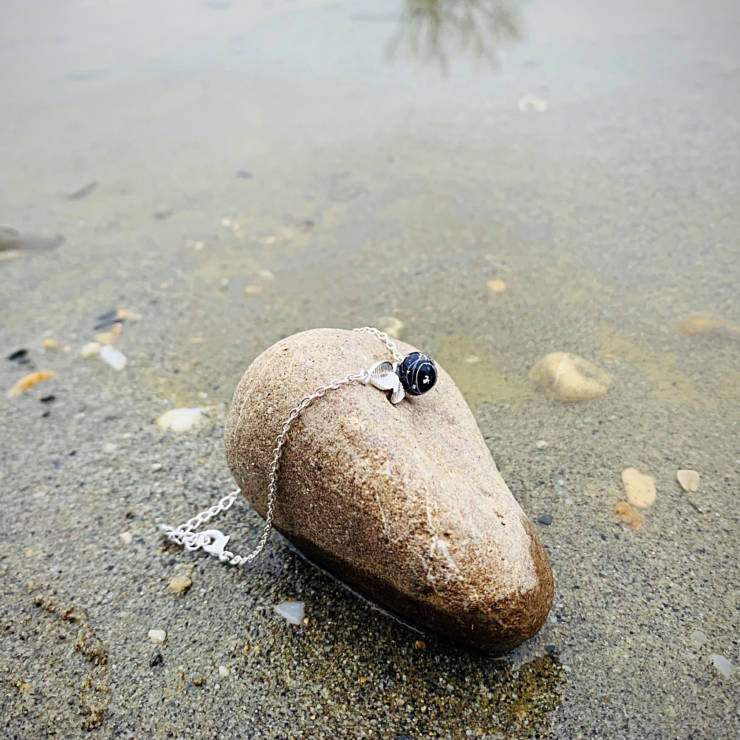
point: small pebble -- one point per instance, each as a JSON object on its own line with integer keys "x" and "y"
{"x": 496, "y": 286}
{"x": 179, "y": 585}
{"x": 420, "y": 645}
{"x": 49, "y": 343}
{"x": 391, "y": 326}
{"x": 569, "y": 377}
{"x": 198, "y": 681}
{"x": 722, "y": 665}
{"x": 689, "y": 480}
{"x": 157, "y": 636}
{"x": 266, "y": 275}
{"x": 244, "y": 174}
{"x": 109, "y": 448}
{"x": 91, "y": 349}
{"x": 108, "y": 337}
{"x": 125, "y": 538}
{"x": 698, "y": 638}
{"x": 291, "y": 611}
{"x": 639, "y": 487}
{"x": 29, "y": 381}
{"x": 530, "y": 102}
{"x": 179, "y": 420}
{"x": 156, "y": 467}
{"x": 629, "y": 515}
{"x": 223, "y": 671}
{"x": 76, "y": 193}
{"x": 113, "y": 357}
{"x": 540, "y": 444}
{"x": 224, "y": 283}
{"x": 253, "y": 289}
{"x": 545, "y": 519}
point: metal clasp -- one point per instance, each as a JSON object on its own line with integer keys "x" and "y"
{"x": 215, "y": 543}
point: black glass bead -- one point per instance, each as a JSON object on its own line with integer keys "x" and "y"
{"x": 418, "y": 373}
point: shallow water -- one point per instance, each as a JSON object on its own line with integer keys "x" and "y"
{"x": 357, "y": 163}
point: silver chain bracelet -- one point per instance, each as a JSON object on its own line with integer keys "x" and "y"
{"x": 413, "y": 375}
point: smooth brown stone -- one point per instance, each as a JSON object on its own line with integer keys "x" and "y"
{"x": 404, "y": 503}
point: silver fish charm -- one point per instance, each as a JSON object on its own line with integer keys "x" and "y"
{"x": 383, "y": 376}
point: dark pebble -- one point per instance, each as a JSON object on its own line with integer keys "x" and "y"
{"x": 156, "y": 660}
{"x": 19, "y": 354}
{"x": 45, "y": 414}
{"x": 545, "y": 519}
{"x": 47, "y": 399}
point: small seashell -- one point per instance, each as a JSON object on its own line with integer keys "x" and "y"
{"x": 639, "y": 487}
{"x": 157, "y": 636}
{"x": 689, "y": 480}
{"x": 179, "y": 420}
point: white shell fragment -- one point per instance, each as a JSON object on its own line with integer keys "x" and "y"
{"x": 179, "y": 420}
{"x": 157, "y": 636}
{"x": 291, "y": 611}
{"x": 113, "y": 357}
{"x": 689, "y": 480}
{"x": 722, "y": 664}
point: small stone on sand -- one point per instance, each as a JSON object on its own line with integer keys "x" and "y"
{"x": 108, "y": 337}
{"x": 29, "y": 381}
{"x": 91, "y": 349}
{"x": 125, "y": 538}
{"x": 639, "y": 487}
{"x": 179, "y": 420}
{"x": 113, "y": 357}
{"x": 179, "y": 585}
{"x": 532, "y": 103}
{"x": 540, "y": 444}
{"x": 629, "y": 515}
{"x": 496, "y": 286}
{"x": 266, "y": 275}
{"x": 49, "y": 343}
{"x": 722, "y": 665}
{"x": 223, "y": 671}
{"x": 689, "y": 480}
{"x": 291, "y": 611}
{"x": 569, "y": 377}
{"x": 253, "y": 289}
{"x": 391, "y": 326}
{"x": 157, "y": 636}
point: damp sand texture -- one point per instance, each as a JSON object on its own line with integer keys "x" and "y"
{"x": 184, "y": 185}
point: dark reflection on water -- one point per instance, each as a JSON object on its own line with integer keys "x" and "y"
{"x": 435, "y": 30}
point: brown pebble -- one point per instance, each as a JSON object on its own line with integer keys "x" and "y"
{"x": 179, "y": 585}
{"x": 29, "y": 381}
{"x": 629, "y": 515}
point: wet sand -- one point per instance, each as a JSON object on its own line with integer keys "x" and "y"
{"x": 588, "y": 159}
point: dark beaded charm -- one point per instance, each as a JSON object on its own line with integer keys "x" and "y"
{"x": 418, "y": 373}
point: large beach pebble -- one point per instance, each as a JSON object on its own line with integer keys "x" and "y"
{"x": 569, "y": 377}
{"x": 402, "y": 502}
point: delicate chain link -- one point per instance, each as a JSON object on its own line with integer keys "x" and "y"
{"x": 213, "y": 541}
